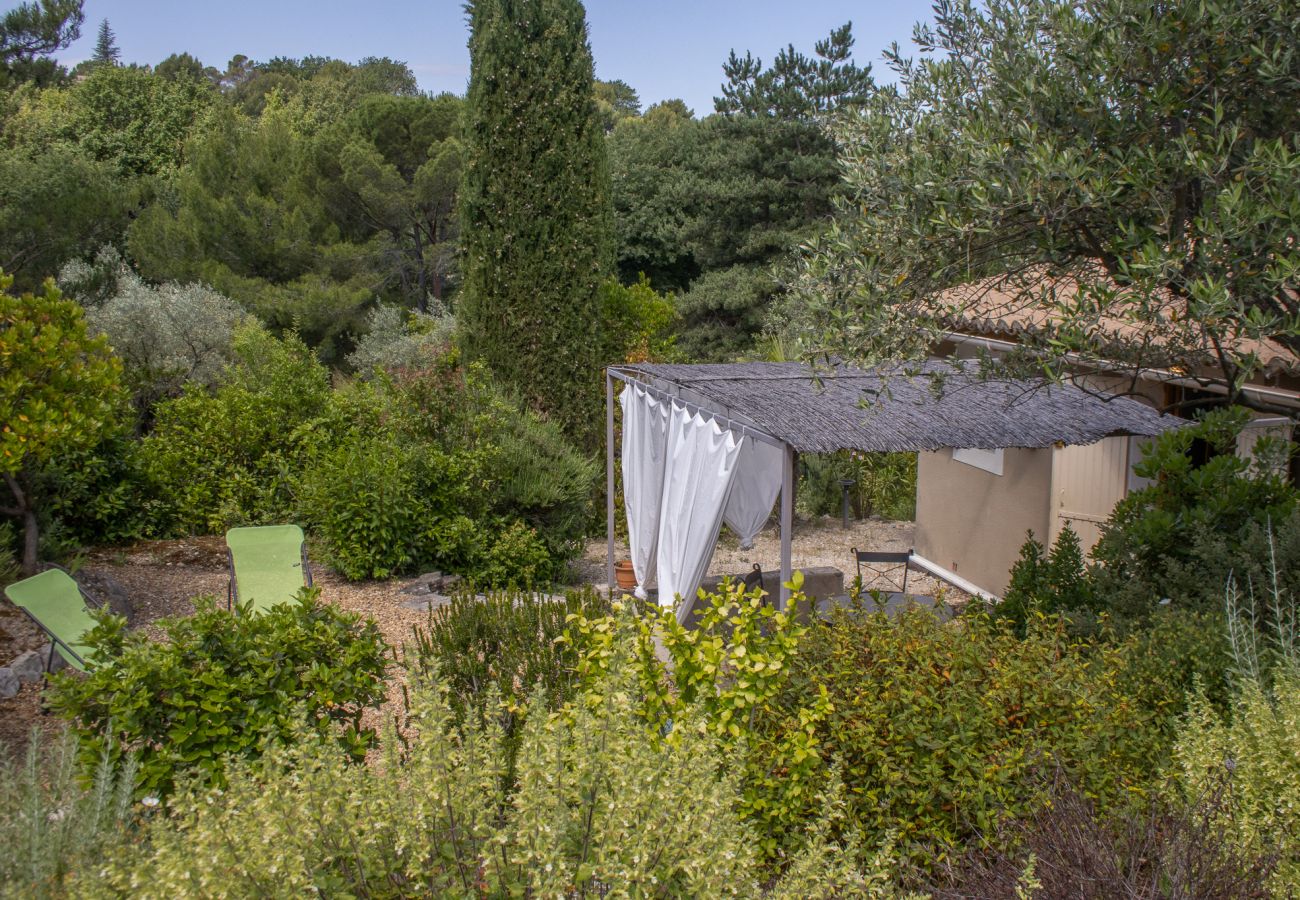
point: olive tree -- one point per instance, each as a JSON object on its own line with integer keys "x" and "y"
{"x": 59, "y": 389}
{"x": 1142, "y": 154}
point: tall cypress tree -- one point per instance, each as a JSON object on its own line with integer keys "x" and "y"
{"x": 535, "y": 207}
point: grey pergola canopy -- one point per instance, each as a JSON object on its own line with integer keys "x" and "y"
{"x": 844, "y": 408}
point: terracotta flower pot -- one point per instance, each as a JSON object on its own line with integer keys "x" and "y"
{"x": 624, "y": 575}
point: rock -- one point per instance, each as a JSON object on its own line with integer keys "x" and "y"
{"x": 9, "y": 683}
{"x": 432, "y": 583}
{"x": 427, "y": 603}
{"x": 29, "y": 666}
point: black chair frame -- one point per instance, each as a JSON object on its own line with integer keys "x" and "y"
{"x": 876, "y": 563}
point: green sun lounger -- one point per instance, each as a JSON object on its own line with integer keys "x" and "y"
{"x": 268, "y": 565}
{"x": 57, "y": 604}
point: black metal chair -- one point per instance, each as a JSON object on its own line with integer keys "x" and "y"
{"x": 877, "y": 564}
{"x": 754, "y": 579}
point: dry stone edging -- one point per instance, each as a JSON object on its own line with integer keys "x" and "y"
{"x": 26, "y": 667}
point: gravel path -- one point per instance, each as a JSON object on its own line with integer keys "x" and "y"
{"x": 817, "y": 542}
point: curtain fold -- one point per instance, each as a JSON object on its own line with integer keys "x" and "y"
{"x": 645, "y": 434}
{"x": 754, "y": 492}
{"x": 700, "y": 467}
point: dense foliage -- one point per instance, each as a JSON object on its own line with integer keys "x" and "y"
{"x": 1205, "y": 516}
{"x": 1143, "y": 150}
{"x": 223, "y": 685}
{"x": 600, "y": 805}
{"x": 59, "y": 391}
{"x": 535, "y": 207}
{"x": 53, "y": 823}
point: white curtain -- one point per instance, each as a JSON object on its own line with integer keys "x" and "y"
{"x": 645, "y": 434}
{"x": 758, "y": 481}
{"x": 700, "y": 465}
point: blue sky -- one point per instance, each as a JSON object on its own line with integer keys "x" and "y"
{"x": 670, "y": 48}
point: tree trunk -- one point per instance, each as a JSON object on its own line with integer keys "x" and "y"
{"x": 30, "y": 535}
{"x": 421, "y": 282}
{"x": 22, "y": 508}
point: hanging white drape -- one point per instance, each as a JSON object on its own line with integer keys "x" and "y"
{"x": 645, "y": 433}
{"x": 700, "y": 467}
{"x": 754, "y": 492}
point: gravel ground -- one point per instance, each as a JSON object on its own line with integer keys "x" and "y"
{"x": 817, "y": 542}
{"x": 163, "y": 578}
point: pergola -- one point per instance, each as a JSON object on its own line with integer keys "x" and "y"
{"x": 798, "y": 409}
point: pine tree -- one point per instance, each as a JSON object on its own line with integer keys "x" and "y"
{"x": 106, "y": 50}
{"x": 535, "y": 207}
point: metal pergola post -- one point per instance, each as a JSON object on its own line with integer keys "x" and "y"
{"x": 787, "y": 523}
{"x": 609, "y": 482}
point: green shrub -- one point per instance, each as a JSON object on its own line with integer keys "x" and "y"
{"x": 941, "y": 728}
{"x": 223, "y": 684}
{"x": 53, "y": 826}
{"x": 884, "y": 484}
{"x": 229, "y": 457}
{"x": 1257, "y": 749}
{"x": 1046, "y": 582}
{"x": 97, "y": 495}
{"x": 603, "y": 807}
{"x": 438, "y": 469}
{"x": 1179, "y": 537}
{"x": 378, "y": 505}
{"x": 728, "y": 674}
{"x": 504, "y": 647}
{"x": 637, "y": 321}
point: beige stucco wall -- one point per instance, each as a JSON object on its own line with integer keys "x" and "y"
{"x": 973, "y": 522}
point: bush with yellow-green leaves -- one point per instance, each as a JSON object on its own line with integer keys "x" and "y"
{"x": 602, "y": 808}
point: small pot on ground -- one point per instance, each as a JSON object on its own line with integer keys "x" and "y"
{"x": 624, "y": 575}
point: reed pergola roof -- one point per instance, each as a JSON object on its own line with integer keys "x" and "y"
{"x": 844, "y": 408}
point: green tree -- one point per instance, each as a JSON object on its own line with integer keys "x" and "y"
{"x": 709, "y": 208}
{"x": 183, "y": 65}
{"x": 392, "y": 168}
{"x": 796, "y": 86}
{"x": 58, "y": 391}
{"x": 615, "y": 101}
{"x": 125, "y": 115}
{"x": 30, "y": 32}
{"x": 1143, "y": 151}
{"x": 106, "y": 52}
{"x": 55, "y": 204}
{"x": 535, "y": 206}
{"x": 241, "y": 219}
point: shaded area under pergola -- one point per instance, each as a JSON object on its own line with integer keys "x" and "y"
{"x": 804, "y": 410}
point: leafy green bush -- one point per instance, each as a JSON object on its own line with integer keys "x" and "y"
{"x": 221, "y": 685}
{"x": 1181, "y": 536}
{"x": 504, "y": 647}
{"x": 603, "y": 807}
{"x": 52, "y": 826}
{"x": 884, "y": 484}
{"x": 438, "y": 469}
{"x": 1046, "y": 582}
{"x": 1257, "y": 749}
{"x": 727, "y": 674}
{"x": 379, "y": 505}
{"x": 228, "y": 457}
{"x": 941, "y": 727}
{"x": 637, "y": 321}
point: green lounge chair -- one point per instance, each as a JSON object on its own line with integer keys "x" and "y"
{"x": 268, "y": 565}
{"x": 62, "y": 610}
